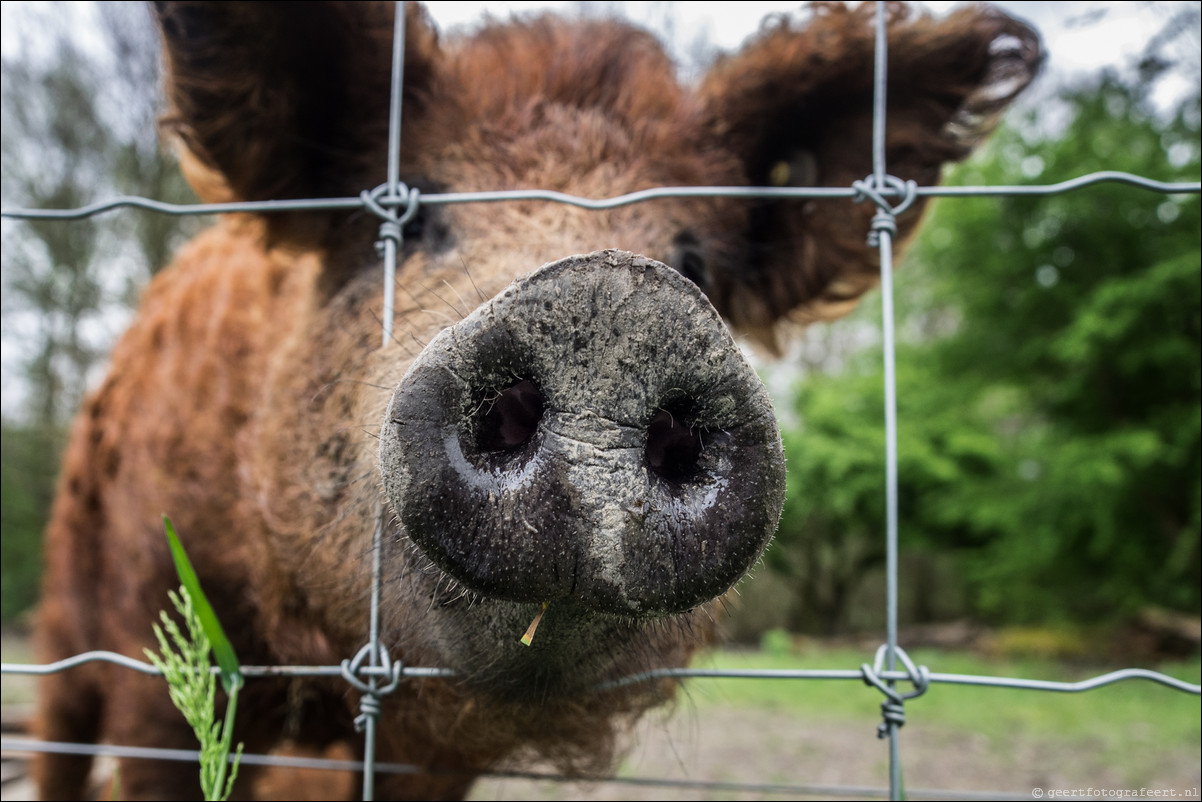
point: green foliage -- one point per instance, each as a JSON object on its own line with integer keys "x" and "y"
{"x": 776, "y": 642}
{"x": 1049, "y": 385}
{"x": 223, "y": 650}
{"x": 28, "y": 465}
{"x": 186, "y": 667}
{"x": 184, "y": 662}
{"x": 78, "y": 126}
{"x": 1096, "y": 347}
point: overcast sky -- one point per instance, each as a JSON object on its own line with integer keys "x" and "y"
{"x": 1080, "y": 37}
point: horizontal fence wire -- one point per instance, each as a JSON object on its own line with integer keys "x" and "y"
{"x": 29, "y": 745}
{"x": 417, "y": 672}
{"x": 599, "y": 204}
{"x": 394, "y": 196}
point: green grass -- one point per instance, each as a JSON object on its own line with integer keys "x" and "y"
{"x": 17, "y": 689}
{"x": 1132, "y": 726}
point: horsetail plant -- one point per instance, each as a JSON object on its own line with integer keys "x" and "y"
{"x": 186, "y": 665}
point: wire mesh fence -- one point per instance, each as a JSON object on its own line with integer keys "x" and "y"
{"x": 892, "y": 672}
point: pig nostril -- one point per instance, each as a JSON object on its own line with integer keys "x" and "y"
{"x": 508, "y": 420}
{"x": 673, "y": 447}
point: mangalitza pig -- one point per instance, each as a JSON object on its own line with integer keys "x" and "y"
{"x": 561, "y": 416}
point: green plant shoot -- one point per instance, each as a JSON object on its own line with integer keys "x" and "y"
{"x": 186, "y": 665}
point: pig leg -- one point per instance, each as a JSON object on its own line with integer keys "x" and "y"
{"x": 422, "y": 786}
{"x": 69, "y": 711}
{"x": 141, "y": 714}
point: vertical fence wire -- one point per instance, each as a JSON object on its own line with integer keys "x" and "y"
{"x": 885, "y": 244}
{"x": 390, "y": 236}
{"x": 372, "y": 716}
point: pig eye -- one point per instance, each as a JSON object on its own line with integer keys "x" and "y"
{"x": 416, "y": 226}
{"x": 508, "y": 420}
{"x": 689, "y": 260}
{"x": 673, "y": 447}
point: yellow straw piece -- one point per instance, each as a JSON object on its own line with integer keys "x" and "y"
{"x": 529, "y": 636}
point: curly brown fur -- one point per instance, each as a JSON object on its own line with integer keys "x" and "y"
{"x": 245, "y": 399}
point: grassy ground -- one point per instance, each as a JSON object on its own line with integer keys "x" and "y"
{"x": 16, "y": 690}
{"x": 1128, "y": 726}
{"x": 816, "y": 733}
{"x": 1114, "y": 712}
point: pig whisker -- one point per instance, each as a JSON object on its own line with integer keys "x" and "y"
{"x": 422, "y": 308}
{"x": 395, "y": 340}
{"x": 367, "y": 476}
{"x": 480, "y": 296}
{"x": 351, "y": 426}
{"x": 705, "y": 608}
{"x": 417, "y": 340}
{"x": 449, "y": 305}
{"x": 440, "y": 315}
{"x": 451, "y": 287}
{"x": 358, "y": 381}
{"x": 435, "y": 594}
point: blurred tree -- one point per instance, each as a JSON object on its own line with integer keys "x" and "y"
{"x": 1050, "y": 386}
{"x": 1092, "y": 356}
{"x": 77, "y": 126}
{"x": 27, "y": 473}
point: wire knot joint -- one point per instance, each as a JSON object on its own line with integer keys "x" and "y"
{"x": 885, "y": 219}
{"x": 385, "y": 205}
{"x": 369, "y": 704}
{"x": 893, "y": 708}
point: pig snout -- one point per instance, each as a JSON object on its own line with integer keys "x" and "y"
{"x": 591, "y": 433}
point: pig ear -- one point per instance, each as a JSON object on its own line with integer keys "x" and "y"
{"x": 795, "y": 105}
{"x": 287, "y": 100}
